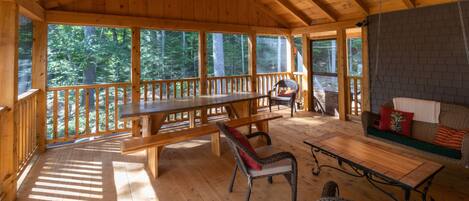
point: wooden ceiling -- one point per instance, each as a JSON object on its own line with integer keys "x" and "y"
{"x": 269, "y": 13}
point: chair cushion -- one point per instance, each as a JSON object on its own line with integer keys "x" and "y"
{"x": 285, "y": 92}
{"x": 279, "y": 98}
{"x": 417, "y": 144}
{"x": 396, "y": 121}
{"x": 449, "y": 137}
{"x": 274, "y": 168}
{"x": 250, "y": 162}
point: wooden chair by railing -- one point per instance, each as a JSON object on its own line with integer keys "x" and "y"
{"x": 266, "y": 82}
{"x": 26, "y": 139}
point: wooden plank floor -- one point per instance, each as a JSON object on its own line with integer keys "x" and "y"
{"x": 97, "y": 171}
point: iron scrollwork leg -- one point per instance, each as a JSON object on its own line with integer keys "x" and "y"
{"x": 316, "y": 169}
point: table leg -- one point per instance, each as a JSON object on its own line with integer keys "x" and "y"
{"x": 216, "y": 148}
{"x": 151, "y": 125}
{"x": 192, "y": 119}
{"x": 406, "y": 194}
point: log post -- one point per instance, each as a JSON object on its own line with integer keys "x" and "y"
{"x": 135, "y": 76}
{"x": 203, "y": 72}
{"x": 252, "y": 48}
{"x": 9, "y": 84}
{"x": 39, "y": 80}
{"x": 307, "y": 74}
{"x": 365, "y": 82}
{"x": 342, "y": 73}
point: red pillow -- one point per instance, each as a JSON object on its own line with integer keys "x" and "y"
{"x": 396, "y": 121}
{"x": 250, "y": 162}
{"x": 449, "y": 137}
{"x": 286, "y": 93}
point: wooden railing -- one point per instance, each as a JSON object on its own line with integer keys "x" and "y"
{"x": 354, "y": 105}
{"x": 226, "y": 85}
{"x": 166, "y": 89}
{"x": 26, "y": 142}
{"x": 298, "y": 77}
{"x": 265, "y": 83}
{"x": 84, "y": 111}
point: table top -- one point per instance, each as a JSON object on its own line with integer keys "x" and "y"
{"x": 184, "y": 104}
{"x": 394, "y": 164}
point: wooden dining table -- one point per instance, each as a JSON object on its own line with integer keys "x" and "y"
{"x": 154, "y": 113}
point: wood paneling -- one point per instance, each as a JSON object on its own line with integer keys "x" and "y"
{"x": 9, "y": 85}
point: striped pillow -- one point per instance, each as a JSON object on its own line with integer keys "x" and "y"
{"x": 449, "y": 137}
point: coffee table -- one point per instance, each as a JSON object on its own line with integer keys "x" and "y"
{"x": 377, "y": 163}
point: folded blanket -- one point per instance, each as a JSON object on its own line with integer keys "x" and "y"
{"x": 424, "y": 110}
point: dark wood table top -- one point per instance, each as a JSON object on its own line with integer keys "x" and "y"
{"x": 394, "y": 164}
{"x": 184, "y": 104}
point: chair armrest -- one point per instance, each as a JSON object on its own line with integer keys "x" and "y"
{"x": 267, "y": 136}
{"x": 278, "y": 157}
{"x": 368, "y": 118}
{"x": 465, "y": 151}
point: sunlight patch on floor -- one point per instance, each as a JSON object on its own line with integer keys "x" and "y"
{"x": 132, "y": 177}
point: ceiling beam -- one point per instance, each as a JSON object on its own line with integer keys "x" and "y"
{"x": 409, "y": 3}
{"x": 326, "y": 11}
{"x": 31, "y": 9}
{"x": 326, "y": 27}
{"x": 105, "y": 20}
{"x": 50, "y": 4}
{"x": 263, "y": 8}
{"x": 304, "y": 19}
{"x": 362, "y": 6}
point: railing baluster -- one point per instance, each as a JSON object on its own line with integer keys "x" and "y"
{"x": 124, "y": 100}
{"x": 153, "y": 95}
{"x": 116, "y": 108}
{"x": 107, "y": 108}
{"x": 87, "y": 111}
{"x": 145, "y": 91}
{"x": 77, "y": 112}
{"x": 55, "y": 114}
{"x": 66, "y": 94}
{"x": 96, "y": 107}
{"x": 160, "y": 89}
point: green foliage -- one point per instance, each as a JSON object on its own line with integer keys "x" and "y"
{"x": 271, "y": 54}
{"x": 71, "y": 53}
{"x": 25, "y": 46}
{"x": 236, "y": 59}
{"x": 169, "y": 54}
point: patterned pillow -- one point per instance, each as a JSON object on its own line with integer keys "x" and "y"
{"x": 397, "y": 121}
{"x": 285, "y": 92}
{"x": 250, "y": 162}
{"x": 449, "y": 137}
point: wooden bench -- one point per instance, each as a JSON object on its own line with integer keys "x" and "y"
{"x": 159, "y": 141}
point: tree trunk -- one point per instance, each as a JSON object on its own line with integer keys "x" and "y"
{"x": 279, "y": 54}
{"x": 242, "y": 55}
{"x": 218, "y": 57}
{"x": 89, "y": 73}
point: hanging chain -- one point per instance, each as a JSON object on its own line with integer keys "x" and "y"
{"x": 463, "y": 28}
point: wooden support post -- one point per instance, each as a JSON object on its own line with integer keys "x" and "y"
{"x": 253, "y": 66}
{"x": 307, "y": 74}
{"x": 291, "y": 54}
{"x": 135, "y": 76}
{"x": 203, "y": 72}
{"x": 9, "y": 86}
{"x": 39, "y": 80}
{"x": 342, "y": 72}
{"x": 365, "y": 82}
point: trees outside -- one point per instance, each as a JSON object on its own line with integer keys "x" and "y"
{"x": 169, "y": 54}
{"x": 271, "y": 54}
{"x": 25, "y": 46}
{"x": 227, "y": 54}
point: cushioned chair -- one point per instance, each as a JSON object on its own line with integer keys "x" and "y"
{"x": 330, "y": 192}
{"x": 272, "y": 162}
{"x": 277, "y": 97}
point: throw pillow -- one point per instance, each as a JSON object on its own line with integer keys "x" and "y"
{"x": 243, "y": 140}
{"x": 286, "y": 92}
{"x": 449, "y": 137}
{"x": 397, "y": 121}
